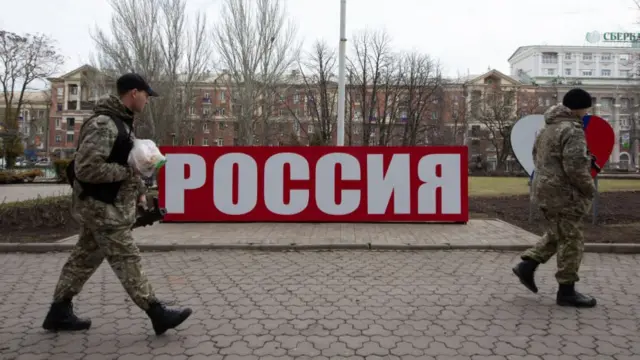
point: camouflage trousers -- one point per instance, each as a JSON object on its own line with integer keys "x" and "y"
{"x": 122, "y": 254}
{"x": 563, "y": 237}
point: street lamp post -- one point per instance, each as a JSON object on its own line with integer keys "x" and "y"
{"x": 341, "y": 71}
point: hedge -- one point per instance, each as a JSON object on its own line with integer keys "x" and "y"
{"x": 19, "y": 176}
{"x": 41, "y": 213}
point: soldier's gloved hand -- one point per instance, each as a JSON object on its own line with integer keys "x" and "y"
{"x": 142, "y": 202}
{"x": 594, "y": 164}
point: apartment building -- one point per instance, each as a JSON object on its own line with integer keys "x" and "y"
{"x": 589, "y": 65}
{"x": 293, "y": 116}
{"x": 607, "y": 72}
{"x": 73, "y": 97}
{"x": 478, "y": 111}
{"x": 32, "y": 120}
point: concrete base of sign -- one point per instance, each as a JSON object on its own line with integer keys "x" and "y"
{"x": 478, "y": 234}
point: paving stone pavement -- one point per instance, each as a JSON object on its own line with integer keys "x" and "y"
{"x": 477, "y": 232}
{"x": 329, "y": 305}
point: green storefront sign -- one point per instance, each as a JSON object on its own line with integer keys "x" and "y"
{"x": 596, "y": 36}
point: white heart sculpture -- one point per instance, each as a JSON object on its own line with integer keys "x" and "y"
{"x": 523, "y": 136}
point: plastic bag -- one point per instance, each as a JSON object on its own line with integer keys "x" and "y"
{"x": 146, "y": 157}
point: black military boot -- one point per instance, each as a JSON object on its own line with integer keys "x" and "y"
{"x": 62, "y": 318}
{"x": 568, "y": 296}
{"x": 525, "y": 271}
{"x": 163, "y": 318}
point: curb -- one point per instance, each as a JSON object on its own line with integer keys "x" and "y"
{"x": 34, "y": 248}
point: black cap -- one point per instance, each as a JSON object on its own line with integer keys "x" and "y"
{"x": 132, "y": 81}
{"x": 577, "y": 99}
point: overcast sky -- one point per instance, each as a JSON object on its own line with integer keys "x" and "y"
{"x": 466, "y": 35}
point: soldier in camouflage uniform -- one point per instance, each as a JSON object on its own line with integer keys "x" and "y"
{"x": 106, "y": 227}
{"x": 563, "y": 189}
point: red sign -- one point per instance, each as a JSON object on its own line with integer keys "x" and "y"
{"x": 600, "y": 139}
{"x": 314, "y": 184}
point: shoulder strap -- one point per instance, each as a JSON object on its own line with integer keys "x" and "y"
{"x": 120, "y": 126}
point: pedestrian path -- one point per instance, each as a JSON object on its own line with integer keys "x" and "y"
{"x": 329, "y": 305}
{"x": 476, "y": 233}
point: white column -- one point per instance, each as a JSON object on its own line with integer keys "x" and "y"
{"x": 66, "y": 96}
{"x": 79, "y": 96}
{"x": 615, "y": 154}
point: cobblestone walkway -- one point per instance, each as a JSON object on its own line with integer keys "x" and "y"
{"x": 330, "y": 305}
{"x": 476, "y": 232}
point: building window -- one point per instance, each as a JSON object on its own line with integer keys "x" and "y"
{"x": 625, "y": 73}
{"x": 207, "y": 96}
{"x": 69, "y": 138}
{"x": 205, "y": 128}
{"x": 296, "y": 98}
{"x": 58, "y": 139}
{"x": 71, "y": 122}
{"x": 605, "y": 57}
{"x": 191, "y": 141}
{"x": 587, "y": 56}
{"x": 606, "y": 72}
{"x": 57, "y": 123}
{"x": 222, "y": 96}
{"x": 174, "y": 141}
{"x": 220, "y": 126}
{"x": 567, "y": 72}
{"x": 567, "y": 56}
{"x": 219, "y": 142}
{"x": 551, "y": 71}
{"x": 549, "y": 58}
{"x": 624, "y": 103}
{"x": 624, "y": 57}
{"x": 587, "y": 72}
{"x": 205, "y": 142}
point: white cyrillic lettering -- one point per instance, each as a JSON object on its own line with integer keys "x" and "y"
{"x": 274, "y": 184}
{"x": 449, "y": 184}
{"x": 326, "y": 184}
{"x": 176, "y": 184}
{"x": 381, "y": 185}
{"x": 223, "y": 182}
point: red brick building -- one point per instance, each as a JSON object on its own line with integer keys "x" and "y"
{"x": 296, "y": 113}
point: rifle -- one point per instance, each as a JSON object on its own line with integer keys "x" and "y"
{"x": 147, "y": 217}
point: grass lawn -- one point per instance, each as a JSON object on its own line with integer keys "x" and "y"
{"x": 496, "y": 186}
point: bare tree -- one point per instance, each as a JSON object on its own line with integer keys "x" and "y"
{"x": 157, "y": 39}
{"x": 372, "y": 54}
{"x": 421, "y": 82}
{"x": 319, "y": 87}
{"x": 500, "y": 109}
{"x": 257, "y": 47}
{"x": 23, "y": 59}
{"x": 454, "y": 110}
{"x": 390, "y": 95}
{"x": 38, "y": 103}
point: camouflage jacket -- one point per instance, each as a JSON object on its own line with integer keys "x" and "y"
{"x": 95, "y": 143}
{"x": 562, "y": 180}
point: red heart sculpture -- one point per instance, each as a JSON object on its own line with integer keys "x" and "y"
{"x": 600, "y": 139}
